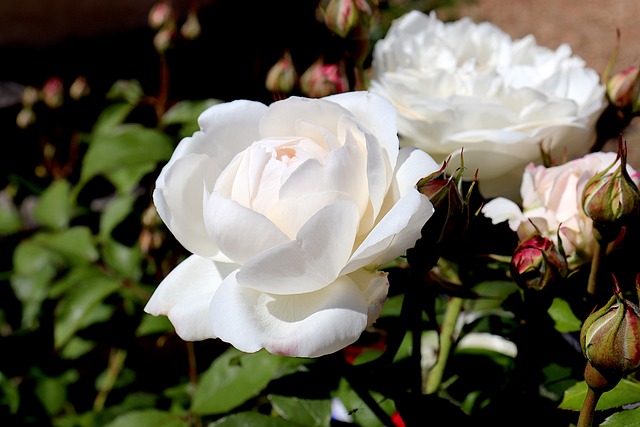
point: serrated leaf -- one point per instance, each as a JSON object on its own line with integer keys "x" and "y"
{"x": 251, "y": 419}
{"x": 148, "y": 418}
{"x": 127, "y": 147}
{"x": 306, "y": 412}
{"x": 625, "y": 393}
{"x": 53, "y": 208}
{"x": 561, "y": 313}
{"x": 628, "y": 418}
{"x": 235, "y": 377}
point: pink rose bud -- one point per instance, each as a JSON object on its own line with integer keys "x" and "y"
{"x": 341, "y": 16}
{"x": 322, "y": 79}
{"x": 623, "y": 89}
{"x": 282, "y": 76}
{"x": 610, "y": 337}
{"x": 159, "y": 15}
{"x": 52, "y": 92}
{"x": 537, "y": 263}
{"x": 612, "y": 199}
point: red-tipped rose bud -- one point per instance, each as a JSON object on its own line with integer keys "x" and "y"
{"x": 610, "y": 338}
{"x": 537, "y": 263}
{"x": 53, "y": 92}
{"x": 282, "y": 76}
{"x": 160, "y": 14}
{"x": 623, "y": 89}
{"x": 341, "y": 16}
{"x": 612, "y": 199}
{"x": 322, "y": 79}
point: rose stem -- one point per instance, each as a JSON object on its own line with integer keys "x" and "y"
{"x": 588, "y": 408}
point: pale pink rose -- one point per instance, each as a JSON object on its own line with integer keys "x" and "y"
{"x": 552, "y": 202}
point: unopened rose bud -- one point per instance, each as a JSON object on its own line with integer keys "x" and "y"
{"x": 159, "y": 14}
{"x": 610, "y": 338}
{"x": 282, "y": 76}
{"x": 322, "y": 79}
{"x": 623, "y": 89}
{"x": 612, "y": 199}
{"x": 191, "y": 27}
{"x": 52, "y": 92}
{"x": 79, "y": 88}
{"x": 30, "y": 96}
{"x": 341, "y": 16}
{"x": 163, "y": 38}
{"x": 537, "y": 263}
{"x": 25, "y": 118}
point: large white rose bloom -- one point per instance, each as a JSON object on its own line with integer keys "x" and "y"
{"x": 288, "y": 210}
{"x": 462, "y": 85}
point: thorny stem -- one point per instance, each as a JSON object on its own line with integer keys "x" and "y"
{"x": 446, "y": 336}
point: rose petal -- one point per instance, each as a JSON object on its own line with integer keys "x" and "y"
{"x": 239, "y": 232}
{"x": 185, "y": 294}
{"x": 305, "y": 325}
{"x": 312, "y": 261}
{"x": 502, "y": 209}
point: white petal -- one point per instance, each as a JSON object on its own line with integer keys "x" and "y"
{"x": 501, "y": 209}
{"x": 312, "y": 261}
{"x": 239, "y": 232}
{"x": 185, "y": 294}
{"x": 487, "y": 341}
{"x": 398, "y": 231}
{"x": 305, "y": 325}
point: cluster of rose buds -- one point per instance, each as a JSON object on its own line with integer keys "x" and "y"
{"x": 52, "y": 94}
{"x": 350, "y": 21}
{"x": 163, "y": 19}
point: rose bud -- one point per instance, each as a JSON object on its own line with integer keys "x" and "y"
{"x": 322, "y": 79}
{"x": 341, "y": 16}
{"x": 536, "y": 263}
{"x": 282, "y": 76}
{"x": 451, "y": 216}
{"x": 623, "y": 89}
{"x": 610, "y": 337}
{"x": 159, "y": 15}
{"x": 612, "y": 199}
{"x": 191, "y": 28}
{"x": 53, "y": 92}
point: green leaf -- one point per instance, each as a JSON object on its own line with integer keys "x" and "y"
{"x": 625, "y": 393}
{"x": 630, "y": 418}
{"x": 128, "y": 90}
{"x": 9, "y": 394}
{"x": 52, "y": 391}
{"x": 54, "y": 207}
{"x": 122, "y": 259}
{"x": 306, "y": 412}
{"x": 360, "y": 413}
{"x": 150, "y": 325}
{"x": 75, "y": 244}
{"x": 81, "y": 306}
{"x": 10, "y": 220}
{"x": 148, "y": 418}
{"x": 115, "y": 212}
{"x": 235, "y": 377}
{"x": 124, "y": 152}
{"x": 111, "y": 117}
{"x": 186, "y": 113}
{"x": 565, "y": 321}
{"x": 250, "y": 419}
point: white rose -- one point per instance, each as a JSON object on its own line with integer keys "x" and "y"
{"x": 462, "y": 85}
{"x": 288, "y": 210}
{"x": 552, "y": 202}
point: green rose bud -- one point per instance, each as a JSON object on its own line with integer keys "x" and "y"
{"x": 610, "y": 338}
{"x": 282, "y": 76}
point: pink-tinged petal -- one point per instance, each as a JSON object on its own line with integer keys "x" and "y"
{"x": 396, "y": 232}
{"x": 185, "y": 294}
{"x": 304, "y": 325}
{"x": 178, "y": 198}
{"x": 376, "y": 114}
{"x": 240, "y": 232}
{"x": 310, "y": 262}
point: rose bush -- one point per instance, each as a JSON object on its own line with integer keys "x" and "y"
{"x": 465, "y": 85}
{"x": 552, "y": 203}
{"x": 288, "y": 210}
